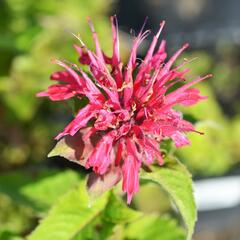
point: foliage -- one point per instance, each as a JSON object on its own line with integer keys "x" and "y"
{"x": 75, "y": 215}
{"x": 35, "y": 189}
{"x": 176, "y": 180}
{"x": 153, "y": 227}
{"x": 39, "y": 201}
{"x": 69, "y": 216}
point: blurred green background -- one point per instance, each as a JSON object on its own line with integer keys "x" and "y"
{"x": 34, "y": 32}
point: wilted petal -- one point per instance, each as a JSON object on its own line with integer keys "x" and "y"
{"x": 98, "y": 184}
{"x": 75, "y": 148}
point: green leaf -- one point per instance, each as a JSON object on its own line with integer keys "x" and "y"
{"x": 176, "y": 180}
{"x": 38, "y": 189}
{"x": 154, "y": 227}
{"x": 117, "y": 232}
{"x": 46, "y": 191}
{"x": 69, "y": 216}
{"x": 7, "y": 235}
{"x": 106, "y": 225}
{"x": 117, "y": 211}
{"x": 97, "y": 230}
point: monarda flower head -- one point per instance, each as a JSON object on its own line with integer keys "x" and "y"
{"x": 129, "y": 106}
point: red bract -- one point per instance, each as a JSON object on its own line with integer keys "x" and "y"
{"x": 132, "y": 112}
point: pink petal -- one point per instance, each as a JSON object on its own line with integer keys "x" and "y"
{"x": 83, "y": 56}
{"x": 63, "y": 76}
{"x": 180, "y": 139}
{"x": 175, "y": 94}
{"x": 190, "y": 97}
{"x": 95, "y": 39}
{"x": 59, "y": 92}
{"x": 116, "y": 55}
{"x": 153, "y": 44}
{"x": 130, "y": 171}
{"x": 80, "y": 121}
{"x": 169, "y": 64}
{"x": 100, "y": 158}
{"x": 104, "y": 120}
{"x": 151, "y": 150}
{"x": 72, "y": 73}
{"x": 128, "y": 80}
{"x": 119, "y": 153}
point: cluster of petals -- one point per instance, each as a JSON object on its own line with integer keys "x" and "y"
{"x": 131, "y": 105}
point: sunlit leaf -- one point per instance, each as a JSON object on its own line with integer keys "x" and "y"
{"x": 98, "y": 229}
{"x": 154, "y": 227}
{"x": 38, "y": 189}
{"x": 176, "y": 180}
{"x": 7, "y": 235}
{"x": 69, "y": 216}
{"x": 118, "y": 212}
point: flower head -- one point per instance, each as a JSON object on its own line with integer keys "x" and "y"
{"x": 130, "y": 106}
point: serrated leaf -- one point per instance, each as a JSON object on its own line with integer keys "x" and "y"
{"x": 38, "y": 189}
{"x": 98, "y": 184}
{"x": 118, "y": 212}
{"x": 176, "y": 180}
{"x": 154, "y": 227}
{"x": 69, "y": 216}
{"x": 46, "y": 191}
{"x": 74, "y": 148}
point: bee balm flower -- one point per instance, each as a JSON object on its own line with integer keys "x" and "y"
{"x": 129, "y": 106}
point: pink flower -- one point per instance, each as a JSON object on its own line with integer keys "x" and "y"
{"x": 130, "y": 106}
